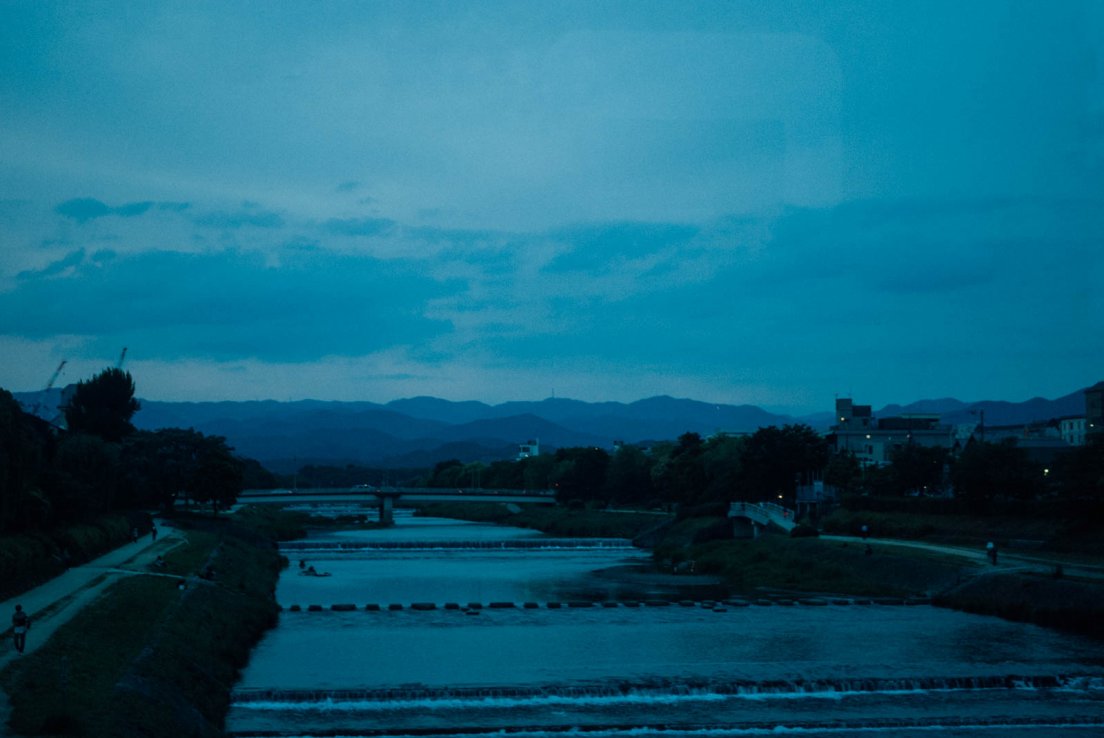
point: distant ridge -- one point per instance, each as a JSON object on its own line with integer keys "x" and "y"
{"x": 419, "y": 431}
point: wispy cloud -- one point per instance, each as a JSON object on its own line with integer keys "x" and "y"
{"x": 248, "y": 215}
{"x": 226, "y": 305}
{"x": 84, "y": 209}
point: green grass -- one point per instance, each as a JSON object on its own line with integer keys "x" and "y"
{"x": 813, "y": 565}
{"x": 274, "y": 522}
{"x": 1050, "y": 532}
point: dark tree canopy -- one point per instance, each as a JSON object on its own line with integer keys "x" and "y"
{"x": 776, "y": 458}
{"x": 103, "y": 406}
{"x": 987, "y": 471}
{"x": 25, "y": 447}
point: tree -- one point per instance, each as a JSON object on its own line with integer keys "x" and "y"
{"x": 579, "y": 473}
{"x": 844, "y": 472}
{"x": 503, "y": 475}
{"x": 162, "y": 465}
{"x": 217, "y": 475}
{"x": 159, "y": 465}
{"x": 628, "y": 476}
{"x": 916, "y": 469}
{"x": 536, "y": 471}
{"x": 722, "y": 463}
{"x": 446, "y": 474}
{"x": 986, "y": 471}
{"x": 103, "y": 405}
{"x": 1081, "y": 472}
{"x": 681, "y": 476}
{"x": 25, "y": 444}
{"x": 84, "y": 477}
{"x": 775, "y": 458}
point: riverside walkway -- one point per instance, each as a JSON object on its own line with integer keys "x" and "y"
{"x": 55, "y": 602}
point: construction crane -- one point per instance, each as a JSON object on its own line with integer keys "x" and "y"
{"x": 49, "y": 386}
{"x": 57, "y": 373}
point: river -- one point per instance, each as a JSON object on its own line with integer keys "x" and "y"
{"x": 471, "y": 629}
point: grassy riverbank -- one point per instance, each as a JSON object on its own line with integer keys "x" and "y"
{"x": 29, "y": 559}
{"x": 779, "y": 563}
{"x": 1063, "y": 604}
{"x": 1048, "y": 527}
{"x": 149, "y": 659}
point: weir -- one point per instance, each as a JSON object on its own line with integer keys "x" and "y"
{"x": 711, "y": 605}
{"x": 484, "y": 630}
{"x": 573, "y": 544}
{"x": 659, "y": 689}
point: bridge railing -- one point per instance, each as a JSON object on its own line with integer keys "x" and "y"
{"x": 763, "y": 512}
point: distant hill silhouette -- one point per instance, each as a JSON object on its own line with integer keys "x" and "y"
{"x": 419, "y": 431}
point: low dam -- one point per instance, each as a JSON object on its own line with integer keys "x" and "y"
{"x": 445, "y": 628}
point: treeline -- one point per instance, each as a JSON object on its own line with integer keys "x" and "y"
{"x": 766, "y": 465}
{"x": 771, "y": 463}
{"x": 99, "y": 463}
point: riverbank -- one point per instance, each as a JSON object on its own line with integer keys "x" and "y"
{"x": 30, "y": 559}
{"x": 554, "y": 520}
{"x": 777, "y": 563}
{"x": 1062, "y": 604}
{"x": 150, "y": 654}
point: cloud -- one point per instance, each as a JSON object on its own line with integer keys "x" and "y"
{"x": 607, "y": 246}
{"x": 359, "y": 226}
{"x": 227, "y": 305}
{"x": 249, "y": 215}
{"x": 61, "y": 266}
{"x": 84, "y": 209}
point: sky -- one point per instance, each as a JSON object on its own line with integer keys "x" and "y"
{"x": 765, "y": 202}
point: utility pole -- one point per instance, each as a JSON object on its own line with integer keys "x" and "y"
{"x": 981, "y": 425}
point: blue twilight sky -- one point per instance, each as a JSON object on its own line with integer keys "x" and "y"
{"x": 766, "y": 202}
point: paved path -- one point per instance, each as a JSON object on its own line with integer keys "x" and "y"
{"x": 1007, "y": 562}
{"x": 54, "y": 603}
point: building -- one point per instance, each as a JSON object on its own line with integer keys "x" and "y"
{"x": 1094, "y": 412}
{"x": 813, "y": 497}
{"x": 873, "y": 440}
{"x": 1072, "y": 429}
{"x": 528, "y": 449}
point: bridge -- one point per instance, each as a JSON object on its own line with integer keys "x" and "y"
{"x": 386, "y": 497}
{"x": 748, "y": 516}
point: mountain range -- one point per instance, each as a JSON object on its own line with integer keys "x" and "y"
{"x": 420, "y": 431}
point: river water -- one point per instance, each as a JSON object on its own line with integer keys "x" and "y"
{"x": 534, "y": 635}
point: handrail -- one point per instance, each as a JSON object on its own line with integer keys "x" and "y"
{"x": 763, "y": 512}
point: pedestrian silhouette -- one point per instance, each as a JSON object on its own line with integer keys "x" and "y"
{"x": 20, "y": 625}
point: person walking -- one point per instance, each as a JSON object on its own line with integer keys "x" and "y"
{"x": 991, "y": 549}
{"x": 20, "y": 625}
{"x": 153, "y": 533}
